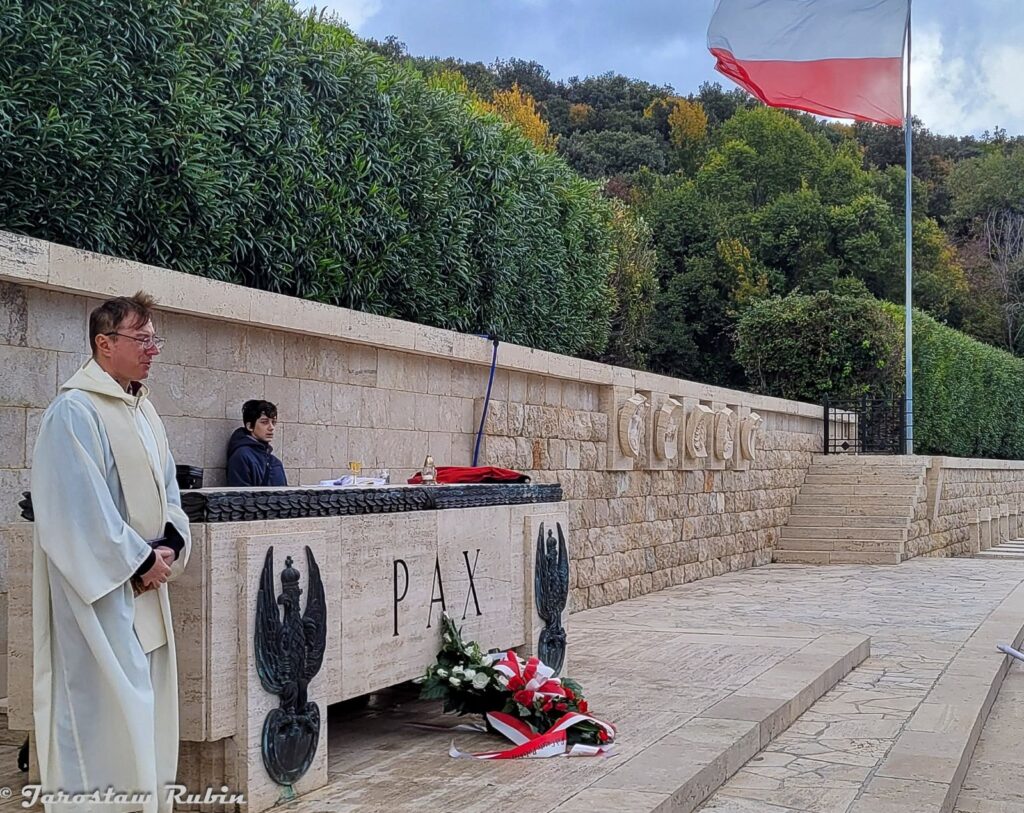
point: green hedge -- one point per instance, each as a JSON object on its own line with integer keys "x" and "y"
{"x": 966, "y": 393}
{"x": 239, "y": 140}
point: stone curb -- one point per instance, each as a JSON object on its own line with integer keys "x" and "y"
{"x": 682, "y": 769}
{"x": 923, "y": 771}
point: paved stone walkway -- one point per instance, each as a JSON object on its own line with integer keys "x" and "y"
{"x": 995, "y": 780}
{"x": 917, "y": 614}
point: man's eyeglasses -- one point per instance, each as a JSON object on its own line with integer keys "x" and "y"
{"x": 147, "y": 342}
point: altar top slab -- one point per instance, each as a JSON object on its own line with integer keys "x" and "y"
{"x": 213, "y": 505}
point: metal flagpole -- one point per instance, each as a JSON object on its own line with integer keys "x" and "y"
{"x": 908, "y": 274}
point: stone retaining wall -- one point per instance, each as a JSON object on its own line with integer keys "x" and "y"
{"x": 351, "y": 386}
{"x": 960, "y": 492}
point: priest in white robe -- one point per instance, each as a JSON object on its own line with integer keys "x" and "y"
{"x": 109, "y": 534}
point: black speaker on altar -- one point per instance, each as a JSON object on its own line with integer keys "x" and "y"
{"x": 189, "y": 477}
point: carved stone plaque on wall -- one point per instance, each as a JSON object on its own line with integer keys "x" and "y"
{"x": 632, "y": 418}
{"x": 666, "y": 430}
{"x": 749, "y": 430}
{"x": 725, "y": 433}
{"x": 699, "y": 427}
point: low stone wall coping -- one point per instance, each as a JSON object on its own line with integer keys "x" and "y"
{"x": 977, "y": 463}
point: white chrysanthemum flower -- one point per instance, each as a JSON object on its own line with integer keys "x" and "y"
{"x": 469, "y": 674}
{"x": 455, "y": 681}
{"x": 481, "y": 680}
{"x": 442, "y": 673}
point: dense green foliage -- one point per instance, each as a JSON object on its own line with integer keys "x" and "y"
{"x": 806, "y": 347}
{"x": 966, "y": 393}
{"x": 242, "y": 141}
{"x": 633, "y": 283}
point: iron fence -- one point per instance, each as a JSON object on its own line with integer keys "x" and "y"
{"x": 864, "y": 426}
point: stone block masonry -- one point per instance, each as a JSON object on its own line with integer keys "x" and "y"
{"x": 352, "y": 386}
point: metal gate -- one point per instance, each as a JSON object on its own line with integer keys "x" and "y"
{"x": 864, "y": 425}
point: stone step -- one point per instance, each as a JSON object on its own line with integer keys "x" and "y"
{"x": 846, "y": 464}
{"x": 850, "y": 545}
{"x": 881, "y": 460}
{"x": 996, "y": 553}
{"x": 860, "y": 490}
{"x": 860, "y": 478}
{"x": 808, "y": 497}
{"x": 1003, "y": 550}
{"x": 827, "y": 532}
{"x": 902, "y": 512}
{"x": 825, "y": 520}
{"x": 825, "y": 557}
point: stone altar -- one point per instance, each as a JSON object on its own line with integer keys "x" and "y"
{"x": 390, "y": 560}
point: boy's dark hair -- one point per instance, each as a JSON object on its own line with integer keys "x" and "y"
{"x": 108, "y": 317}
{"x": 253, "y": 410}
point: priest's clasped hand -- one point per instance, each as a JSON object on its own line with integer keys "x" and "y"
{"x": 161, "y": 569}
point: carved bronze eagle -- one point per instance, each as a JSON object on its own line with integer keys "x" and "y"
{"x": 289, "y": 653}
{"x": 551, "y": 592}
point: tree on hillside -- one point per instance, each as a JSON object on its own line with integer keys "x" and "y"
{"x": 599, "y": 154}
{"x": 1003, "y": 232}
{"x": 531, "y": 77}
{"x": 633, "y": 284}
{"x": 721, "y": 105}
{"x": 988, "y": 214}
{"x": 519, "y": 109}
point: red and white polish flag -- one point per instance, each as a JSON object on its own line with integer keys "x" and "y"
{"x": 840, "y": 58}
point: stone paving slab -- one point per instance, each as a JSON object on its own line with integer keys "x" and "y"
{"x": 935, "y": 748}
{"x": 893, "y": 735}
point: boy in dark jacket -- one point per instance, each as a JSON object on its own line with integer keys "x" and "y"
{"x": 251, "y": 461}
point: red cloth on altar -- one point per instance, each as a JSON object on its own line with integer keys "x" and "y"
{"x": 473, "y": 474}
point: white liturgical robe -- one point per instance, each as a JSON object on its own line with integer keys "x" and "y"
{"x": 105, "y": 682}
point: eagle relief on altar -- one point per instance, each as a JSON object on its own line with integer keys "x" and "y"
{"x": 289, "y": 653}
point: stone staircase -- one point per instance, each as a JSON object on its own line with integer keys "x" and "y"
{"x": 1012, "y": 549}
{"x": 853, "y": 510}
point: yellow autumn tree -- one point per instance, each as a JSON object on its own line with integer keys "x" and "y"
{"x": 688, "y": 124}
{"x": 520, "y": 109}
{"x": 451, "y": 80}
{"x": 659, "y": 109}
{"x": 751, "y": 280}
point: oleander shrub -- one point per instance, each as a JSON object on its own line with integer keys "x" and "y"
{"x": 244, "y": 141}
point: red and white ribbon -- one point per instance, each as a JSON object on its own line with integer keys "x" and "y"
{"x": 528, "y": 680}
{"x": 528, "y": 744}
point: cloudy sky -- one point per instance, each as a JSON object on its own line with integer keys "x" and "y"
{"x": 968, "y": 55}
